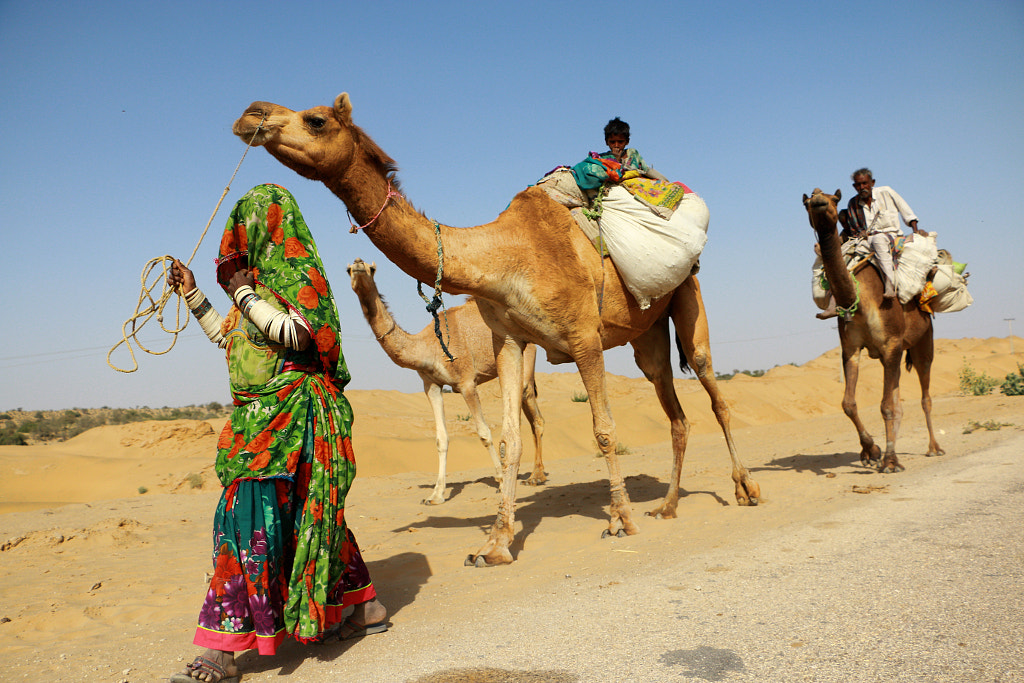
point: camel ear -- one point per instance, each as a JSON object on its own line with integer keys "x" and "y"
{"x": 839, "y": 195}
{"x": 343, "y": 108}
{"x": 373, "y": 267}
{"x": 805, "y": 199}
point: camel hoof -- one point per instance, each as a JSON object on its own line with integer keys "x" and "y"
{"x": 621, "y": 533}
{"x": 934, "y": 454}
{"x": 432, "y": 501}
{"x": 476, "y": 561}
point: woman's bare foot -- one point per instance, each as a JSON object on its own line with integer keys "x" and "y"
{"x": 213, "y": 666}
{"x": 366, "y": 619}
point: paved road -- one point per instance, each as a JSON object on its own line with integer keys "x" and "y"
{"x": 925, "y": 583}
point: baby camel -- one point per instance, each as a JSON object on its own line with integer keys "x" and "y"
{"x": 470, "y": 343}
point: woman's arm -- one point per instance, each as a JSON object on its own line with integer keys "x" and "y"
{"x": 183, "y": 281}
{"x": 278, "y": 326}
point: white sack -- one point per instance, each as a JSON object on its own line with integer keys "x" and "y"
{"x": 916, "y": 261}
{"x": 819, "y": 292}
{"x": 653, "y": 255}
{"x": 952, "y": 288}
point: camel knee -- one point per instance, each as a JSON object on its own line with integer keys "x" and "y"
{"x": 700, "y": 362}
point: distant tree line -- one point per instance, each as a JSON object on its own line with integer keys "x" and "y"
{"x": 18, "y": 428}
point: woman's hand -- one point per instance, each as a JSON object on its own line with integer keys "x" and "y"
{"x": 240, "y": 278}
{"x": 180, "y": 278}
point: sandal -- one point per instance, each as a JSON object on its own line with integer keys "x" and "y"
{"x": 353, "y": 629}
{"x": 206, "y": 666}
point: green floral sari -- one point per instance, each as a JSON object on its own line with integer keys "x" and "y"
{"x": 285, "y": 562}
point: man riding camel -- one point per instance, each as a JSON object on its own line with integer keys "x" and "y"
{"x": 873, "y": 213}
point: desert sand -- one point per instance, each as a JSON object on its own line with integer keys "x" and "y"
{"x": 104, "y": 583}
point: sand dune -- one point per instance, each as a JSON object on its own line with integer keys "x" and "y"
{"x": 101, "y": 578}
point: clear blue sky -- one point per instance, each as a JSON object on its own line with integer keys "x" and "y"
{"x": 117, "y": 145}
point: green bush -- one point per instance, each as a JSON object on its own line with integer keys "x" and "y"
{"x": 579, "y": 397}
{"x": 11, "y": 437}
{"x": 1014, "y": 384}
{"x": 973, "y": 384}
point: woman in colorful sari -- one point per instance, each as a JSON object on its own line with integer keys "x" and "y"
{"x": 285, "y": 562}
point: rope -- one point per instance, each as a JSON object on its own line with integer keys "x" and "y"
{"x": 156, "y": 306}
{"x": 353, "y": 228}
{"x": 436, "y": 303}
{"x": 847, "y": 313}
{"x": 595, "y": 215}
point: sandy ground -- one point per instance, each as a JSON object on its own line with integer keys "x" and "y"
{"x": 104, "y": 583}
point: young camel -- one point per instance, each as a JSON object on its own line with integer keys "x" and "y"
{"x": 882, "y": 326}
{"x": 536, "y": 279}
{"x": 469, "y": 341}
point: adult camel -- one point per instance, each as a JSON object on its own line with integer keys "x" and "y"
{"x": 470, "y": 342}
{"x": 536, "y": 279}
{"x": 882, "y": 326}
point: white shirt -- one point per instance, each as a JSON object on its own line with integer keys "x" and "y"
{"x": 885, "y": 211}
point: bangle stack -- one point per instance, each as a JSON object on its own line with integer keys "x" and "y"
{"x": 198, "y": 303}
{"x": 245, "y": 297}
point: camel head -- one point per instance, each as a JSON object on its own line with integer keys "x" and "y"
{"x": 318, "y": 143}
{"x": 822, "y": 209}
{"x": 362, "y": 275}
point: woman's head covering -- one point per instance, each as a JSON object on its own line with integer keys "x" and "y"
{"x": 266, "y": 233}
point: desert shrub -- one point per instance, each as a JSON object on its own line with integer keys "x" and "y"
{"x": 989, "y": 426}
{"x": 1014, "y": 384}
{"x": 143, "y": 489}
{"x": 11, "y": 437}
{"x": 749, "y": 373}
{"x": 974, "y": 384}
{"x": 580, "y": 397}
{"x": 195, "y": 480}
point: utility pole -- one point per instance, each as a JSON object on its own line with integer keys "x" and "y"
{"x": 1009, "y": 323}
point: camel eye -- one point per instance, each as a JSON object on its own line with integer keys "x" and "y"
{"x": 316, "y": 122}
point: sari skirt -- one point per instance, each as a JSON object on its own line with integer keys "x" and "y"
{"x": 255, "y": 533}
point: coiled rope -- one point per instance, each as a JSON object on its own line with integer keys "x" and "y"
{"x": 143, "y": 313}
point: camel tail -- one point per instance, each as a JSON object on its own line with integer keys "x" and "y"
{"x": 910, "y": 361}
{"x": 684, "y": 362}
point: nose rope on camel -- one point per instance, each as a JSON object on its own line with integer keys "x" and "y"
{"x": 156, "y": 307}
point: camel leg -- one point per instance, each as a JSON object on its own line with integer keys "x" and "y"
{"x": 922, "y": 354}
{"x": 870, "y": 454}
{"x": 691, "y": 324}
{"x": 652, "y": 353}
{"x": 476, "y": 411}
{"x": 509, "y": 357}
{"x": 436, "y": 399}
{"x": 590, "y": 361}
{"x": 533, "y": 416}
{"x": 890, "y": 393}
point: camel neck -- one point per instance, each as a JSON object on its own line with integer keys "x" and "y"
{"x": 408, "y": 238}
{"x": 839, "y": 278}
